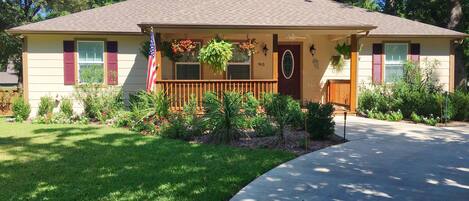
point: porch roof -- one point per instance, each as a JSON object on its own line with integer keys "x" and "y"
{"x": 125, "y": 18}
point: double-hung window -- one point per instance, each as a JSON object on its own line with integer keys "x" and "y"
{"x": 90, "y": 61}
{"x": 395, "y": 59}
{"x": 239, "y": 67}
{"x": 187, "y": 65}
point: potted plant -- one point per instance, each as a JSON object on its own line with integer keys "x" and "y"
{"x": 216, "y": 53}
{"x": 339, "y": 61}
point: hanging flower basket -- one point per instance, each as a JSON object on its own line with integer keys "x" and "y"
{"x": 183, "y": 46}
{"x": 249, "y": 46}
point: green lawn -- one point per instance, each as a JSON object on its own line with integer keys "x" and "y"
{"x": 70, "y": 162}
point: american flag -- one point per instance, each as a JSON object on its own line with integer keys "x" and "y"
{"x": 151, "y": 74}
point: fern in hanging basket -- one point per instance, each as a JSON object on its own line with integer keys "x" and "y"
{"x": 216, "y": 53}
{"x": 338, "y": 62}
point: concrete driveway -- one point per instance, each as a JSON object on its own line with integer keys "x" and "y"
{"x": 382, "y": 161}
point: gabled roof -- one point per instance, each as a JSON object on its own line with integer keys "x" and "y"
{"x": 124, "y": 17}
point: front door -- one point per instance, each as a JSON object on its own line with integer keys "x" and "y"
{"x": 289, "y": 70}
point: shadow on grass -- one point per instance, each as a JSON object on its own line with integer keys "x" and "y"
{"x": 86, "y": 163}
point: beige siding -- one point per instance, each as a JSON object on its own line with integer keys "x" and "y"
{"x": 430, "y": 49}
{"x": 45, "y": 63}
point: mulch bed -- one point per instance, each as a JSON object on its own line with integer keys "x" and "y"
{"x": 295, "y": 142}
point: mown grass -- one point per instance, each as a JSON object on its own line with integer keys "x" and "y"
{"x": 71, "y": 162}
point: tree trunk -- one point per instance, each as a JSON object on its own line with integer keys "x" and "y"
{"x": 456, "y": 14}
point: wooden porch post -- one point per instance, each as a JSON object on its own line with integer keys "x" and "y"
{"x": 353, "y": 73}
{"x": 275, "y": 61}
{"x": 451, "y": 66}
{"x": 159, "y": 70}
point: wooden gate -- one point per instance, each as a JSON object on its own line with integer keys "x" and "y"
{"x": 338, "y": 92}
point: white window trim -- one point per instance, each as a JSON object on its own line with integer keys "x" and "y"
{"x": 393, "y": 63}
{"x": 188, "y": 63}
{"x": 293, "y": 64}
{"x": 249, "y": 63}
{"x": 95, "y": 62}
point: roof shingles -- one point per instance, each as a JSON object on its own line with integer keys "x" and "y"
{"x": 124, "y": 17}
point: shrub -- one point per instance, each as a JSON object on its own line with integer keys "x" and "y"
{"x": 264, "y": 126}
{"x": 296, "y": 116}
{"x": 148, "y": 111}
{"x": 21, "y": 109}
{"x": 66, "y": 107}
{"x": 251, "y": 105}
{"x": 319, "y": 121}
{"x": 430, "y": 120}
{"x": 175, "y": 128}
{"x": 394, "y": 116}
{"x": 122, "y": 119}
{"x": 224, "y": 118}
{"x": 46, "y": 106}
{"x": 277, "y": 108}
{"x": 416, "y": 118}
{"x": 99, "y": 103}
{"x": 460, "y": 102}
{"x": 191, "y": 119}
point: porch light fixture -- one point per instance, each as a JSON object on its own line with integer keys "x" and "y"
{"x": 265, "y": 49}
{"x": 312, "y": 50}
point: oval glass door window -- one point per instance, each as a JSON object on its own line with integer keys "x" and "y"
{"x": 288, "y": 64}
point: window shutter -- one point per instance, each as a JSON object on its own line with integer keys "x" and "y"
{"x": 377, "y": 69}
{"x": 112, "y": 74}
{"x": 69, "y": 62}
{"x": 415, "y": 52}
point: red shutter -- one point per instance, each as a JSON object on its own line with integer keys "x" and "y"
{"x": 69, "y": 62}
{"x": 415, "y": 53}
{"x": 112, "y": 75}
{"x": 377, "y": 69}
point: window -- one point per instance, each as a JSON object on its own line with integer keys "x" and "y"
{"x": 188, "y": 65}
{"x": 239, "y": 67}
{"x": 395, "y": 58}
{"x": 288, "y": 64}
{"x": 90, "y": 61}
{"x": 187, "y": 71}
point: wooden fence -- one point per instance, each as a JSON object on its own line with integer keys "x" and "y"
{"x": 6, "y": 98}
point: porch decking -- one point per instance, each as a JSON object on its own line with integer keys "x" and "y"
{"x": 180, "y": 91}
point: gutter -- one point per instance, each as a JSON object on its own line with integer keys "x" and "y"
{"x": 145, "y": 25}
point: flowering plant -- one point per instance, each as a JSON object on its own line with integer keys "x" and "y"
{"x": 249, "y": 46}
{"x": 182, "y": 46}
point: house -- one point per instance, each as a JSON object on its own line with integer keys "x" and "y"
{"x": 296, "y": 40}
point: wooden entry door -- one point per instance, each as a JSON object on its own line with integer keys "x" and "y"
{"x": 289, "y": 63}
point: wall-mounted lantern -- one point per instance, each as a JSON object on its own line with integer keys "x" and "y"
{"x": 312, "y": 50}
{"x": 265, "y": 49}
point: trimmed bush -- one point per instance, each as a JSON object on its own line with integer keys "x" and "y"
{"x": 277, "y": 108}
{"x": 46, "y": 106}
{"x": 21, "y": 109}
{"x": 319, "y": 120}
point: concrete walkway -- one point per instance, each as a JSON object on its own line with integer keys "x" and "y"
{"x": 383, "y": 161}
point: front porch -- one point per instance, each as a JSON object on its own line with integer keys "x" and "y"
{"x": 276, "y": 67}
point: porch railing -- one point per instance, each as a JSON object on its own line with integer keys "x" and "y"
{"x": 180, "y": 91}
